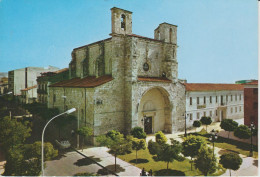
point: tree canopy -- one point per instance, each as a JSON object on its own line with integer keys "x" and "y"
{"x": 85, "y": 132}
{"x": 191, "y": 146}
{"x": 228, "y": 125}
{"x": 138, "y": 144}
{"x": 242, "y": 132}
{"x": 231, "y": 161}
{"x": 196, "y": 124}
{"x": 205, "y": 161}
{"x": 138, "y": 132}
{"x": 206, "y": 121}
{"x": 160, "y": 138}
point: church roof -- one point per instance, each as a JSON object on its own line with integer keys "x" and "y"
{"x": 154, "y": 79}
{"x": 212, "y": 87}
{"x": 87, "y": 82}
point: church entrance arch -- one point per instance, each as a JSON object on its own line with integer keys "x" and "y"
{"x": 154, "y": 113}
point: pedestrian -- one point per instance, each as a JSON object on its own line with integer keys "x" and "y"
{"x": 143, "y": 172}
{"x": 150, "y": 172}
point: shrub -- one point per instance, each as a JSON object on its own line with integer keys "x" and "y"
{"x": 160, "y": 138}
{"x": 138, "y": 132}
{"x": 242, "y": 132}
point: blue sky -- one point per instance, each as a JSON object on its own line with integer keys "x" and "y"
{"x": 217, "y": 38}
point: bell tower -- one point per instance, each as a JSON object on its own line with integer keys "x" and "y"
{"x": 121, "y": 21}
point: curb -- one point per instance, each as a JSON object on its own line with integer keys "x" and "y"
{"x": 96, "y": 162}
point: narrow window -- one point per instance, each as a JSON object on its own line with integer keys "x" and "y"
{"x": 240, "y": 109}
{"x": 240, "y": 97}
{"x": 190, "y": 100}
{"x": 235, "y": 109}
{"x": 231, "y": 98}
{"x": 123, "y": 21}
{"x": 226, "y": 98}
{"x": 236, "y": 97}
{"x": 198, "y": 115}
{"x": 204, "y": 100}
{"x": 170, "y": 33}
{"x": 216, "y": 112}
{"x": 204, "y": 114}
{"x": 216, "y": 99}
{"x": 210, "y": 113}
{"x": 191, "y": 116}
{"x": 210, "y": 99}
{"x": 231, "y": 111}
{"x": 198, "y": 100}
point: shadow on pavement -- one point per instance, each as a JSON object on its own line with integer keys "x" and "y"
{"x": 139, "y": 161}
{"x": 169, "y": 172}
{"x": 86, "y": 161}
{"x": 255, "y": 163}
{"x": 112, "y": 168}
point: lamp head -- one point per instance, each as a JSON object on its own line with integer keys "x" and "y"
{"x": 71, "y": 110}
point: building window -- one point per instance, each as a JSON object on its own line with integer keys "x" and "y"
{"x": 170, "y": 33}
{"x": 210, "y": 99}
{"x": 123, "y": 21}
{"x": 210, "y": 113}
{"x": 236, "y": 97}
{"x": 255, "y": 105}
{"x": 216, "y": 99}
{"x": 235, "y": 109}
{"x": 198, "y": 100}
{"x": 198, "y": 115}
{"x": 240, "y": 97}
{"x": 240, "y": 108}
{"x": 204, "y": 114}
{"x": 190, "y": 100}
{"x": 226, "y": 98}
{"x": 204, "y": 100}
{"x": 216, "y": 112}
{"x": 255, "y": 91}
{"x": 190, "y": 116}
{"x": 231, "y": 110}
{"x": 231, "y": 97}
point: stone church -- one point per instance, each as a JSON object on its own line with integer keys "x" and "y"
{"x": 125, "y": 81}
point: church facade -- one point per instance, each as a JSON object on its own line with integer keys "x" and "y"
{"x": 125, "y": 81}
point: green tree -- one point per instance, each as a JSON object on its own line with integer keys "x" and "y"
{"x": 13, "y": 132}
{"x": 196, "y": 124}
{"x": 228, "y": 125}
{"x": 85, "y": 132}
{"x": 191, "y": 146}
{"x": 153, "y": 147}
{"x": 160, "y": 138}
{"x": 205, "y": 161}
{"x": 138, "y": 132}
{"x": 168, "y": 153}
{"x": 206, "y": 121}
{"x": 116, "y": 142}
{"x": 242, "y": 132}
{"x": 138, "y": 144}
{"x": 25, "y": 160}
{"x": 231, "y": 161}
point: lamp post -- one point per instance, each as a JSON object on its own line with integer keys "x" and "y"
{"x": 213, "y": 137}
{"x": 67, "y": 112}
{"x": 252, "y": 127}
{"x": 185, "y": 125}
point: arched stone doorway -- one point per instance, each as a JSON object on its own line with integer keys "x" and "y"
{"x": 154, "y": 113}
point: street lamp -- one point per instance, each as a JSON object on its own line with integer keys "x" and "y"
{"x": 185, "y": 117}
{"x": 252, "y": 127}
{"x": 143, "y": 120}
{"x": 67, "y": 112}
{"x": 213, "y": 137}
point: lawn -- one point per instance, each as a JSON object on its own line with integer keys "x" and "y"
{"x": 229, "y": 145}
{"x": 146, "y": 161}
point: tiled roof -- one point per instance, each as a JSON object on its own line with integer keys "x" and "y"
{"x": 29, "y": 88}
{"x": 92, "y": 43}
{"x": 88, "y": 82}
{"x": 255, "y": 82}
{"x": 61, "y": 70}
{"x": 212, "y": 87}
{"x": 154, "y": 79}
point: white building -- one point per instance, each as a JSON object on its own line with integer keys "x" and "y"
{"x": 29, "y": 94}
{"x": 219, "y": 101}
